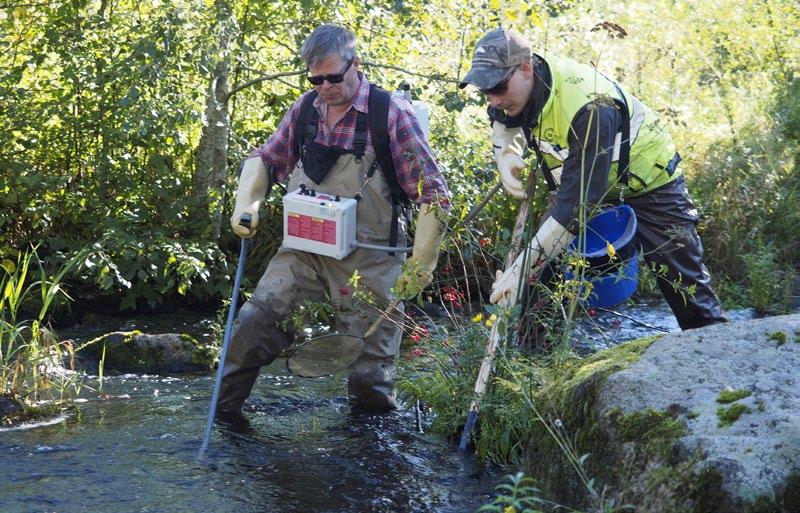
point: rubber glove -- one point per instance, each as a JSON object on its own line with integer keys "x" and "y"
{"x": 418, "y": 270}
{"x": 550, "y": 240}
{"x": 509, "y": 144}
{"x": 254, "y": 183}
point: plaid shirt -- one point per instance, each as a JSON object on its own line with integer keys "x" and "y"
{"x": 410, "y": 151}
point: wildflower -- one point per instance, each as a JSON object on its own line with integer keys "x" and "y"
{"x": 447, "y": 269}
{"x": 615, "y": 323}
{"x": 344, "y": 291}
{"x": 510, "y": 509}
{"x": 453, "y": 295}
{"x": 485, "y": 241}
{"x": 418, "y": 352}
{"x": 611, "y": 251}
{"x": 478, "y": 318}
{"x": 490, "y": 320}
{"x": 415, "y": 337}
{"x": 591, "y": 312}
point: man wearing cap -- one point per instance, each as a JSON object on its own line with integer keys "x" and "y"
{"x": 595, "y": 143}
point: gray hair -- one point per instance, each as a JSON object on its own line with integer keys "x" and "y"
{"x": 328, "y": 40}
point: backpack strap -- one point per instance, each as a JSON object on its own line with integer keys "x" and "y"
{"x": 360, "y": 136}
{"x": 623, "y": 164}
{"x": 307, "y": 120}
{"x": 378, "y": 108}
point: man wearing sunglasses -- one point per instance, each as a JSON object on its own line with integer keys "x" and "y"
{"x": 595, "y": 143}
{"x": 324, "y": 143}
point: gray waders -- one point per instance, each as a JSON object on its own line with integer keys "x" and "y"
{"x": 263, "y": 327}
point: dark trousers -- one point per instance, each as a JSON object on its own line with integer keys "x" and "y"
{"x": 667, "y": 235}
{"x": 667, "y": 238}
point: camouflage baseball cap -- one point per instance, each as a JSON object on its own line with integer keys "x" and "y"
{"x": 495, "y": 53}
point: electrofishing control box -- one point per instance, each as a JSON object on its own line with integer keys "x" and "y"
{"x": 319, "y": 223}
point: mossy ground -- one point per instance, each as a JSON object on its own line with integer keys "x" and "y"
{"x": 728, "y": 416}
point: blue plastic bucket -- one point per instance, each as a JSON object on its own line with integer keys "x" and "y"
{"x": 613, "y": 279}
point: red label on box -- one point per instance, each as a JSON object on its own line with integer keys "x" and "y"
{"x": 311, "y": 228}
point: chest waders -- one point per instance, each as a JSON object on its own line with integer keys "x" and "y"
{"x": 292, "y": 277}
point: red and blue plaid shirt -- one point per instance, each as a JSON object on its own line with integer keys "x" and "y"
{"x": 410, "y": 151}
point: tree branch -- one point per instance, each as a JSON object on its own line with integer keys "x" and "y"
{"x": 263, "y": 78}
{"x": 273, "y": 76}
{"x": 435, "y": 77}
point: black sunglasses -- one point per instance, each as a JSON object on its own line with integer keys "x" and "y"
{"x": 502, "y": 86}
{"x": 332, "y": 79}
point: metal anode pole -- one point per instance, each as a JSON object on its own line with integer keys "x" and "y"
{"x": 212, "y": 411}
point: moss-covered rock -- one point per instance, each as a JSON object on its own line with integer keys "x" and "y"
{"x": 8, "y": 407}
{"x": 638, "y": 423}
{"x": 721, "y": 459}
{"x": 14, "y": 413}
{"x": 136, "y": 352}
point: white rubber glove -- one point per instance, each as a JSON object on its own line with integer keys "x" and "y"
{"x": 253, "y": 185}
{"x": 550, "y": 240}
{"x": 418, "y": 269}
{"x": 509, "y": 143}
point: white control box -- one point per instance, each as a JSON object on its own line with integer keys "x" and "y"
{"x": 319, "y": 223}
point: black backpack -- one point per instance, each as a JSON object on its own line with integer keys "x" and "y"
{"x": 377, "y": 121}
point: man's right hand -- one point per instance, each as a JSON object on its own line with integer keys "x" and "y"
{"x": 253, "y": 186}
{"x": 509, "y": 144}
{"x": 510, "y": 167}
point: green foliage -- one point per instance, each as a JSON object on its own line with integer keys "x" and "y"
{"x": 105, "y": 106}
{"x": 728, "y": 396}
{"x": 30, "y": 352}
{"x": 727, "y": 416}
{"x": 518, "y": 496}
{"x": 762, "y": 272}
{"x": 126, "y": 267}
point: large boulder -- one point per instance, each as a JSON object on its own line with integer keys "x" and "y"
{"x": 733, "y": 395}
{"x": 700, "y": 421}
{"x": 136, "y": 352}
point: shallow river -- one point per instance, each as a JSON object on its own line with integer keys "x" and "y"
{"x": 137, "y": 450}
{"x": 305, "y": 453}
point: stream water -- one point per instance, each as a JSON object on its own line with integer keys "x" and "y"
{"x": 136, "y": 450}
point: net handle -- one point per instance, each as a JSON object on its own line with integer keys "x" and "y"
{"x": 375, "y": 325}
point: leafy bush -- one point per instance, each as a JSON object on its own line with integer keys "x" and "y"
{"x": 150, "y": 268}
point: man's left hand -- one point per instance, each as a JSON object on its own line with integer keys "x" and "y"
{"x": 418, "y": 269}
{"x": 504, "y": 289}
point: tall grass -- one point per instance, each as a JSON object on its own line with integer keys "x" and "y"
{"x": 30, "y": 353}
